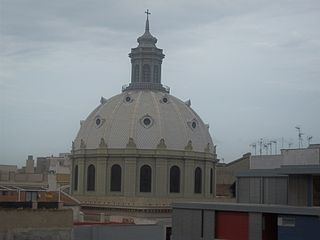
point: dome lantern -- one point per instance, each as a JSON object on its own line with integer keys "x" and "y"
{"x": 146, "y": 60}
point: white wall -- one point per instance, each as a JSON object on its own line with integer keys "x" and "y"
{"x": 305, "y": 156}
{"x": 266, "y": 161}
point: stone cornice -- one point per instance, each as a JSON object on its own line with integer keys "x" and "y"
{"x": 142, "y": 153}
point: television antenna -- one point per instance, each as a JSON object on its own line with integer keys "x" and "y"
{"x": 260, "y": 144}
{"x": 275, "y": 146}
{"x": 266, "y": 148}
{"x": 254, "y": 147}
{"x": 309, "y": 139}
{"x": 270, "y": 147}
{"x": 299, "y": 136}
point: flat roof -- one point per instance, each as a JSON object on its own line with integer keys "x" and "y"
{"x": 282, "y": 171}
{"x": 246, "y": 207}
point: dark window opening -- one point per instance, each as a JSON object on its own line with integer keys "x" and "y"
{"x": 145, "y": 178}
{"x": 115, "y": 178}
{"x": 156, "y": 74}
{"x": 146, "y": 73}
{"x": 75, "y": 180}
{"x": 198, "y": 180}
{"x": 174, "y": 179}
{"x": 211, "y": 179}
{"x": 91, "y": 177}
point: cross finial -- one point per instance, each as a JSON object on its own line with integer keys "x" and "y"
{"x": 147, "y": 12}
{"x": 147, "y": 21}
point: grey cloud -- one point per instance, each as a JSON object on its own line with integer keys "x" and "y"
{"x": 247, "y": 66}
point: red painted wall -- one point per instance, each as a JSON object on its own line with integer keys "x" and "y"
{"x": 232, "y": 225}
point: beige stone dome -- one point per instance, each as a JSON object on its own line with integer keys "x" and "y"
{"x": 150, "y": 119}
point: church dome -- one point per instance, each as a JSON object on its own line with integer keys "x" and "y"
{"x": 142, "y": 149}
{"x": 148, "y": 119}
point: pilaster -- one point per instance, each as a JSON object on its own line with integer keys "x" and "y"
{"x": 130, "y": 167}
{"x": 161, "y": 177}
{"x": 81, "y": 181}
{"x": 101, "y": 176}
{"x": 189, "y": 178}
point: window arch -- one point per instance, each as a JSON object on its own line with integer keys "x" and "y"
{"x": 136, "y": 73}
{"x": 146, "y": 73}
{"x": 91, "y": 178}
{"x": 115, "y": 183}
{"x": 145, "y": 178}
{"x": 174, "y": 179}
{"x": 198, "y": 180}
{"x": 156, "y": 74}
{"x": 75, "y": 178}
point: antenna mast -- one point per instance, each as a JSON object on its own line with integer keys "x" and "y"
{"x": 299, "y": 136}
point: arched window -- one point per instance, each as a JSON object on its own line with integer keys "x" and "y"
{"x": 91, "y": 178}
{"x": 197, "y": 180}
{"x": 211, "y": 179}
{"x": 156, "y": 74}
{"x": 145, "y": 178}
{"x": 75, "y": 178}
{"x": 115, "y": 183}
{"x": 136, "y": 73}
{"x": 174, "y": 179}
{"x": 146, "y": 73}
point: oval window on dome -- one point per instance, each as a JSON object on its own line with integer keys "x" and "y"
{"x": 128, "y": 99}
{"x": 146, "y": 121}
{"x": 193, "y": 124}
{"x": 98, "y": 121}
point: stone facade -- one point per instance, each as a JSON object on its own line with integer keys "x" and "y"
{"x": 131, "y": 161}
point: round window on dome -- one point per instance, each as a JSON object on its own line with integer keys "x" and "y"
{"x": 194, "y": 124}
{"x": 98, "y": 121}
{"x": 146, "y": 121}
{"x": 127, "y": 98}
{"x": 164, "y": 99}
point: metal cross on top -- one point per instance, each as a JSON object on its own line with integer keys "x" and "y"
{"x": 147, "y": 12}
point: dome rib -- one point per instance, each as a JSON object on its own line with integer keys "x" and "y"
{"x": 112, "y": 118}
{"x": 156, "y": 106}
{"x": 183, "y": 127}
{"x": 133, "y": 132}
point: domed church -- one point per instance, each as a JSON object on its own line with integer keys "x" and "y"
{"x": 142, "y": 149}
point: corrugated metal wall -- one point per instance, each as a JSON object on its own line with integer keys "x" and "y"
{"x": 267, "y": 190}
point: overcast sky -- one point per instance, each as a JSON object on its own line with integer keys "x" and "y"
{"x": 251, "y": 68}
